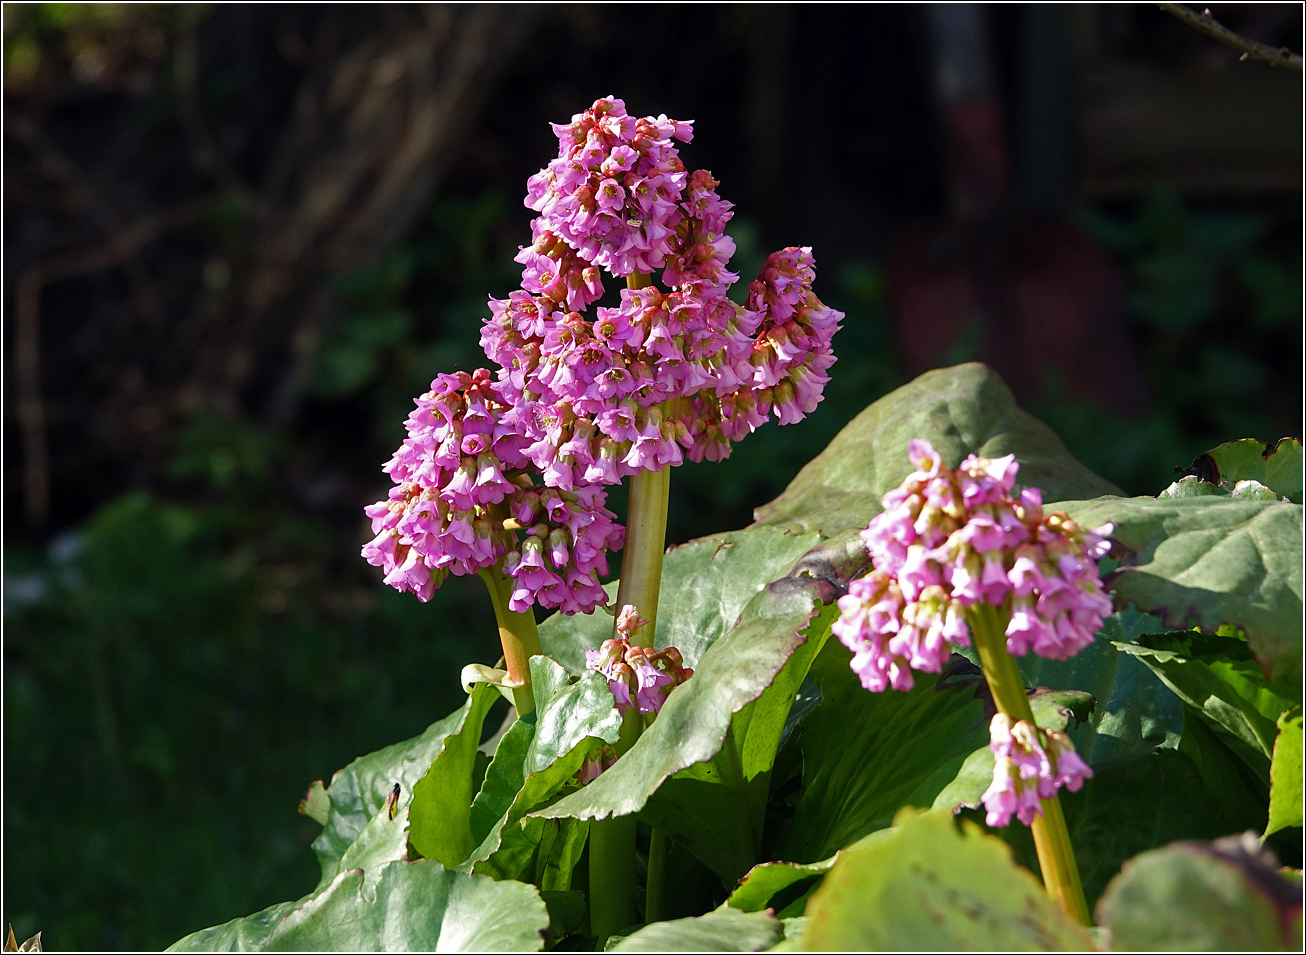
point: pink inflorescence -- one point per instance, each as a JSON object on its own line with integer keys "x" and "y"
{"x": 665, "y": 374}
{"x": 949, "y": 540}
{"x": 639, "y": 677}
{"x": 1031, "y": 765}
{"x": 459, "y": 462}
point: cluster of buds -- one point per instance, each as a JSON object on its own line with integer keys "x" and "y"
{"x": 639, "y": 677}
{"x": 949, "y": 540}
{"x": 461, "y": 496}
{"x": 1031, "y": 765}
{"x": 665, "y": 374}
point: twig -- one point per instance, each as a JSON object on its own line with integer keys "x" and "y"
{"x": 27, "y": 336}
{"x": 1251, "y": 50}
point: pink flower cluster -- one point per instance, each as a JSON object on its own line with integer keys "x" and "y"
{"x": 639, "y": 677}
{"x": 949, "y": 540}
{"x": 665, "y": 374}
{"x": 1031, "y": 765}
{"x": 597, "y": 760}
{"x": 459, "y": 475}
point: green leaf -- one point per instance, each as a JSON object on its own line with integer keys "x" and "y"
{"x": 418, "y": 906}
{"x": 764, "y": 882}
{"x": 925, "y": 886}
{"x": 866, "y": 754}
{"x": 1221, "y": 897}
{"x": 246, "y": 934}
{"x": 1133, "y": 711}
{"x": 722, "y": 930}
{"x": 705, "y": 585}
{"x": 1217, "y": 676}
{"x": 442, "y": 798}
{"x": 1278, "y": 466}
{"x": 1286, "y": 774}
{"x": 1239, "y": 792}
{"x": 361, "y": 789}
{"x": 384, "y": 839}
{"x": 961, "y": 410}
{"x": 695, "y": 722}
{"x": 570, "y": 720}
{"x": 1209, "y": 561}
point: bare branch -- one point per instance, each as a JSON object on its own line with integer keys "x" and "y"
{"x": 1251, "y": 50}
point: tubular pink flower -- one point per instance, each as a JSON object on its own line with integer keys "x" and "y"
{"x": 461, "y": 458}
{"x": 1031, "y": 764}
{"x": 949, "y": 539}
{"x": 639, "y": 677}
{"x": 664, "y": 375}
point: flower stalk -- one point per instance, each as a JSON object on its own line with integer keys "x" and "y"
{"x": 518, "y": 635}
{"x": 612, "y": 841}
{"x": 1056, "y": 855}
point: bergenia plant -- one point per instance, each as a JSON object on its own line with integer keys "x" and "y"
{"x": 762, "y": 737}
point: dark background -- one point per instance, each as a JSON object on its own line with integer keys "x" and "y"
{"x": 239, "y": 239}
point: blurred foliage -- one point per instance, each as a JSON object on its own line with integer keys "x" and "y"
{"x": 175, "y": 677}
{"x": 1217, "y": 319}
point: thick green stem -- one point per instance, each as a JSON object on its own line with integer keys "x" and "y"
{"x": 646, "y": 541}
{"x": 655, "y": 896}
{"x": 520, "y": 638}
{"x": 1056, "y": 855}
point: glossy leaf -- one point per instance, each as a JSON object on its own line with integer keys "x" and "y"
{"x": 1277, "y": 466}
{"x": 866, "y": 754}
{"x": 722, "y": 930}
{"x": 1221, "y": 897}
{"x": 705, "y": 585}
{"x": 1286, "y": 774}
{"x": 716, "y": 808}
{"x": 925, "y": 885}
{"x": 361, "y": 789}
{"x": 442, "y": 798}
{"x": 961, "y": 410}
{"x": 693, "y": 724}
{"x": 1209, "y": 561}
{"x": 418, "y": 906}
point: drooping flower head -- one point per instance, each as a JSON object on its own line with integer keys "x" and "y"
{"x": 639, "y": 677}
{"x": 950, "y": 539}
{"x": 1031, "y": 764}
{"x": 459, "y": 475}
{"x": 668, "y": 373}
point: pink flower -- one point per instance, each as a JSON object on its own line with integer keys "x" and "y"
{"x": 638, "y": 676}
{"x": 450, "y": 471}
{"x": 1031, "y": 764}
{"x": 950, "y": 539}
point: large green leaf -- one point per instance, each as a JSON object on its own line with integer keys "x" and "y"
{"x": 926, "y": 886}
{"x": 1133, "y": 712}
{"x": 533, "y": 761}
{"x": 866, "y": 754}
{"x": 1286, "y": 774}
{"x": 442, "y": 799}
{"x": 376, "y": 900}
{"x": 1217, "y": 676}
{"x": 723, "y": 930}
{"x": 705, "y": 586}
{"x": 1278, "y": 466}
{"x": 1194, "y": 897}
{"x": 417, "y": 906}
{"x": 1208, "y": 561}
{"x": 961, "y": 410}
{"x": 693, "y": 725}
{"x": 361, "y": 789}
{"x": 716, "y": 808}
